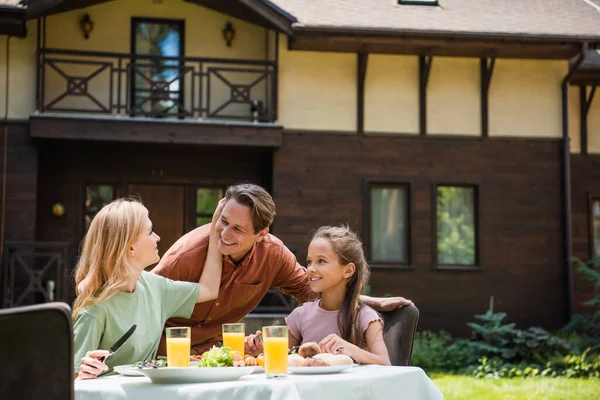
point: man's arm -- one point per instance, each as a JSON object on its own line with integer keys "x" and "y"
{"x": 385, "y": 303}
{"x": 291, "y": 278}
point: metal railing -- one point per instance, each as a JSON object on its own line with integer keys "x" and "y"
{"x": 156, "y": 86}
{"x": 34, "y": 272}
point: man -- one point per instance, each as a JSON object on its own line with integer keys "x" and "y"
{"x": 253, "y": 262}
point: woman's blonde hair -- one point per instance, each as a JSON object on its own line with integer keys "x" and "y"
{"x": 104, "y": 265}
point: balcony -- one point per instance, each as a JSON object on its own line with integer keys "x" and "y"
{"x": 120, "y": 84}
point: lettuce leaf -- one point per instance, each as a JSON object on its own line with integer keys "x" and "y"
{"x": 216, "y": 357}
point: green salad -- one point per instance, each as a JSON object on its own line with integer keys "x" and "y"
{"x": 161, "y": 361}
{"x": 217, "y": 357}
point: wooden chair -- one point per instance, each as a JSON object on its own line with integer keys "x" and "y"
{"x": 36, "y": 352}
{"x": 399, "y": 327}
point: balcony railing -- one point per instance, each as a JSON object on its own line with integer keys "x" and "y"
{"x": 156, "y": 86}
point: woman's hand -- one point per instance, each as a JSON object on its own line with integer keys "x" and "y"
{"x": 217, "y": 215}
{"x": 91, "y": 366}
{"x": 336, "y": 345}
{"x": 253, "y": 344}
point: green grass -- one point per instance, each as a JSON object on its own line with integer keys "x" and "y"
{"x": 466, "y": 388}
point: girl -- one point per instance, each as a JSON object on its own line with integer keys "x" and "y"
{"x": 114, "y": 292}
{"x": 337, "y": 321}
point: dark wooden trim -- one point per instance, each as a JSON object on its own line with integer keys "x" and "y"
{"x": 590, "y": 217}
{"x": 12, "y": 21}
{"x": 152, "y": 130}
{"x": 487, "y": 69}
{"x": 434, "y": 232}
{"x": 431, "y": 43}
{"x": 279, "y": 18}
{"x": 320, "y": 132}
{"x": 424, "y": 69}
{"x": 388, "y": 182}
{"x": 275, "y": 105}
{"x": 362, "y": 60}
{"x": 585, "y": 103}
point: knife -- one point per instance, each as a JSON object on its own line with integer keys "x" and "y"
{"x": 113, "y": 349}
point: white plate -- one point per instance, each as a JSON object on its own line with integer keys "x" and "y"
{"x": 319, "y": 370}
{"x": 130, "y": 370}
{"x": 195, "y": 374}
{"x": 258, "y": 369}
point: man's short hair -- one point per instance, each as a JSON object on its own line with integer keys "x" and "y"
{"x": 260, "y": 202}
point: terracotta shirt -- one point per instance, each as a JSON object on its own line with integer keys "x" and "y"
{"x": 268, "y": 264}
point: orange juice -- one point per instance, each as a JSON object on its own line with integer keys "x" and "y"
{"x": 178, "y": 352}
{"x": 276, "y": 355}
{"x": 234, "y": 340}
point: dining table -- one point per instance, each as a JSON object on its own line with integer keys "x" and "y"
{"x": 361, "y": 382}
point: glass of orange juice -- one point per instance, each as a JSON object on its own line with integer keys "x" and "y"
{"x": 275, "y": 345}
{"x": 178, "y": 346}
{"x": 233, "y": 337}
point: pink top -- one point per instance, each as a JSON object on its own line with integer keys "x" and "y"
{"x": 311, "y": 323}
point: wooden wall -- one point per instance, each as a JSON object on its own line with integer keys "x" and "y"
{"x": 319, "y": 179}
{"x": 67, "y": 166}
{"x": 585, "y": 182}
{"x": 21, "y": 181}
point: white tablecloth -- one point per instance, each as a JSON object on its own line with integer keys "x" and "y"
{"x": 363, "y": 382}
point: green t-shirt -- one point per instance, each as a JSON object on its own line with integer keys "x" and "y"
{"x": 154, "y": 300}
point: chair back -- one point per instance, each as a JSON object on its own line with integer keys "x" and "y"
{"x": 399, "y": 327}
{"x": 36, "y": 352}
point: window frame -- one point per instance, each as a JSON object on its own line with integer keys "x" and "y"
{"x": 409, "y": 218}
{"x": 477, "y": 266}
{"x": 433, "y": 3}
{"x": 83, "y": 213}
{"x": 180, "y": 23}
{"x": 591, "y": 199}
{"x": 191, "y": 206}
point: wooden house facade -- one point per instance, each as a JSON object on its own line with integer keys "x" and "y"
{"x": 460, "y": 138}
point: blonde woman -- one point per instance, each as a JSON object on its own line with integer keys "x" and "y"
{"x": 114, "y": 292}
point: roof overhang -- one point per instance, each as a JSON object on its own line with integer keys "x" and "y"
{"x": 411, "y": 42}
{"x": 151, "y": 130}
{"x": 39, "y": 8}
{"x": 12, "y": 20}
{"x": 259, "y": 12}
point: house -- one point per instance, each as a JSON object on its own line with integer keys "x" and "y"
{"x": 460, "y": 138}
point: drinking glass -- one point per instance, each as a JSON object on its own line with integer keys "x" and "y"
{"x": 178, "y": 346}
{"x": 275, "y": 345}
{"x": 233, "y": 337}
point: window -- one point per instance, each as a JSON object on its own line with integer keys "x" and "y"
{"x": 418, "y": 2}
{"x": 388, "y": 237}
{"x": 595, "y": 227}
{"x": 206, "y": 204}
{"x": 157, "y": 83}
{"x": 96, "y": 197}
{"x": 456, "y": 223}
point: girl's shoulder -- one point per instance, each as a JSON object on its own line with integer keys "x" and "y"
{"x": 305, "y": 308}
{"x": 366, "y": 315}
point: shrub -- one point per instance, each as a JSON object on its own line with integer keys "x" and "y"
{"x": 438, "y": 352}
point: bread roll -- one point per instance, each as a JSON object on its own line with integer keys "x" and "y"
{"x": 334, "y": 359}
{"x": 309, "y": 349}
{"x": 295, "y": 360}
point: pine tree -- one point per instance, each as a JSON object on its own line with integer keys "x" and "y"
{"x": 492, "y": 338}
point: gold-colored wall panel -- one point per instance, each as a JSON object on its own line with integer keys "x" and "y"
{"x": 392, "y": 94}
{"x": 593, "y": 121}
{"x": 525, "y": 98}
{"x": 574, "y": 120}
{"x": 453, "y": 97}
{"x": 316, "y": 90}
{"x": 22, "y": 79}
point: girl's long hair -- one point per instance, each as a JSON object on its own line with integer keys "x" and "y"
{"x": 104, "y": 265}
{"x": 348, "y": 248}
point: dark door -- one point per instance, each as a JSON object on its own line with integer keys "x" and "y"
{"x": 166, "y": 205}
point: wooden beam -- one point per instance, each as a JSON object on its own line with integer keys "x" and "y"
{"x": 585, "y": 104}
{"x": 148, "y": 130}
{"x": 438, "y": 46}
{"x": 487, "y": 70}
{"x": 424, "y": 69}
{"x": 362, "y": 59}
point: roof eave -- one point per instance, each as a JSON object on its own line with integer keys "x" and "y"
{"x": 12, "y": 21}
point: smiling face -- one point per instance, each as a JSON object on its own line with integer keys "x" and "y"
{"x": 144, "y": 251}
{"x": 324, "y": 270}
{"x": 237, "y": 232}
